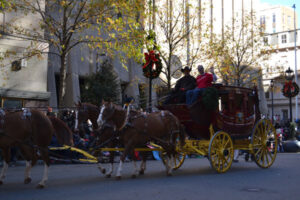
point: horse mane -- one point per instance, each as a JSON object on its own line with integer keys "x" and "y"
{"x": 62, "y": 132}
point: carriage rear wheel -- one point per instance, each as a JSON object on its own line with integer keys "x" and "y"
{"x": 220, "y": 151}
{"x": 264, "y": 143}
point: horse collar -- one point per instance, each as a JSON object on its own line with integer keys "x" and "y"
{"x": 2, "y": 112}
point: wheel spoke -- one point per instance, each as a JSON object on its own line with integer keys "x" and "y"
{"x": 267, "y": 159}
{"x": 258, "y": 151}
{"x": 270, "y": 154}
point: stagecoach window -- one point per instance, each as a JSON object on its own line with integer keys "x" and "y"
{"x": 224, "y": 107}
{"x": 12, "y": 103}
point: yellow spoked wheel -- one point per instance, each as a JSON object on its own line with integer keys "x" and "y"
{"x": 177, "y": 161}
{"x": 220, "y": 151}
{"x": 179, "y": 156}
{"x": 264, "y": 143}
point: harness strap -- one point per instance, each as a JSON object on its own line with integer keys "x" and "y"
{"x": 126, "y": 118}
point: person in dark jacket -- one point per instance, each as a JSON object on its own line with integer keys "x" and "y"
{"x": 187, "y": 82}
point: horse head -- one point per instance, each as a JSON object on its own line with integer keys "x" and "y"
{"x": 85, "y": 112}
{"x": 114, "y": 113}
{"x": 107, "y": 111}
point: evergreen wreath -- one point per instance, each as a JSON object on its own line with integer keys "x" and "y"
{"x": 290, "y": 89}
{"x": 210, "y": 98}
{"x": 153, "y": 66}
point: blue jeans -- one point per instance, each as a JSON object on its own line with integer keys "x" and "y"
{"x": 192, "y": 95}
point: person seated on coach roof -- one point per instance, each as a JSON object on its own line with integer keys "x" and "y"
{"x": 204, "y": 80}
{"x": 187, "y": 82}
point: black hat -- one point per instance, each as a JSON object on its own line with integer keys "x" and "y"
{"x": 186, "y": 68}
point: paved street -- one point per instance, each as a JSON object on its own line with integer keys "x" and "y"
{"x": 194, "y": 180}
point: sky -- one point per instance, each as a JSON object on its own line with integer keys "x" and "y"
{"x": 286, "y": 3}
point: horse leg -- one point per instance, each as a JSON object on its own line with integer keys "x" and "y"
{"x": 30, "y": 156}
{"x": 128, "y": 148}
{"x": 136, "y": 171}
{"x": 45, "y": 157}
{"x": 168, "y": 160}
{"x": 143, "y": 164}
{"x": 102, "y": 169}
{"x": 6, "y": 159}
{"x": 111, "y": 159}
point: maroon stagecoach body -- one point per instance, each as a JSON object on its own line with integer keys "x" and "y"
{"x": 236, "y": 113}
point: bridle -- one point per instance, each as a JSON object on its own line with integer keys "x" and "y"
{"x": 100, "y": 120}
{"x": 76, "y": 119}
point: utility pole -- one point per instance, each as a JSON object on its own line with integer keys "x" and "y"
{"x": 296, "y": 71}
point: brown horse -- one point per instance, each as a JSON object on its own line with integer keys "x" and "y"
{"x": 31, "y": 131}
{"x": 160, "y": 127}
{"x": 108, "y": 136}
{"x": 85, "y": 112}
{"x": 62, "y": 132}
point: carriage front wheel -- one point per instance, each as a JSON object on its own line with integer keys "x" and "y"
{"x": 264, "y": 143}
{"x": 220, "y": 151}
{"x": 178, "y": 160}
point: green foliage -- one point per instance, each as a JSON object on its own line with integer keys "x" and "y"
{"x": 102, "y": 85}
{"x": 210, "y": 98}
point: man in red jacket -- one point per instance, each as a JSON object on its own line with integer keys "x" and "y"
{"x": 204, "y": 80}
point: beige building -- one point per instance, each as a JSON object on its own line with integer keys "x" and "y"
{"x": 281, "y": 59}
{"x": 277, "y": 18}
{"x": 23, "y": 80}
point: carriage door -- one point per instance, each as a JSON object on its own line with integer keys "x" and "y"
{"x": 239, "y": 108}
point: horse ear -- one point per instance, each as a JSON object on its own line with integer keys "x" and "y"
{"x": 103, "y": 102}
{"x": 79, "y": 103}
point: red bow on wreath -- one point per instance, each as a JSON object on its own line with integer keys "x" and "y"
{"x": 150, "y": 57}
{"x": 288, "y": 86}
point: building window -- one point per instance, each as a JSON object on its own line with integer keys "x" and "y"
{"x": 283, "y": 39}
{"x": 267, "y": 94}
{"x": 16, "y": 65}
{"x": 263, "y": 23}
{"x": 274, "y": 18}
{"x": 12, "y": 103}
{"x": 289, "y": 20}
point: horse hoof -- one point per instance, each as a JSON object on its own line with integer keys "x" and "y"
{"x": 40, "y": 186}
{"x": 1, "y": 182}
{"x": 108, "y": 175}
{"x": 118, "y": 178}
{"x": 133, "y": 176}
{"x": 169, "y": 174}
{"x": 27, "y": 180}
{"x": 141, "y": 172}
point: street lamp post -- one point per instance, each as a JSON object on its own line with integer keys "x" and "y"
{"x": 289, "y": 76}
{"x": 272, "y": 99}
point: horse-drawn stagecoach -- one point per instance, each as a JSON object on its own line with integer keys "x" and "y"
{"x": 235, "y": 123}
{"x": 215, "y": 132}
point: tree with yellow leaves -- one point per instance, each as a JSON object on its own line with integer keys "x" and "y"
{"x": 239, "y": 53}
{"x": 67, "y": 23}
